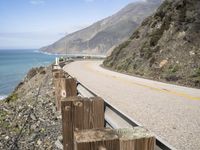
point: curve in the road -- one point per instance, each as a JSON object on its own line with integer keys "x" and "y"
{"x": 185, "y": 95}
{"x": 170, "y": 111}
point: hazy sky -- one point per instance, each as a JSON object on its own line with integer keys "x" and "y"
{"x": 36, "y": 23}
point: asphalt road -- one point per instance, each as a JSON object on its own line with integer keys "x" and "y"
{"x": 170, "y": 111}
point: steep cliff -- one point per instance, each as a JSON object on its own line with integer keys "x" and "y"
{"x": 165, "y": 47}
{"x": 28, "y": 117}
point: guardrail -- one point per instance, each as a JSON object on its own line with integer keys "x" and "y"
{"x": 114, "y": 118}
{"x": 162, "y": 145}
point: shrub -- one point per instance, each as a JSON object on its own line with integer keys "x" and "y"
{"x": 13, "y": 97}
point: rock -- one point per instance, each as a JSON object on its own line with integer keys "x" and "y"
{"x": 33, "y": 127}
{"x": 192, "y": 53}
{"x": 162, "y": 63}
{"x": 33, "y": 117}
{"x": 59, "y": 144}
{"x": 41, "y": 130}
{"x": 41, "y": 119}
{"x": 60, "y": 138}
{"x": 39, "y": 142}
{"x": 31, "y": 73}
{"x": 43, "y": 72}
{"x": 7, "y": 137}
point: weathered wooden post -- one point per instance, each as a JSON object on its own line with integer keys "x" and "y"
{"x": 64, "y": 86}
{"x": 57, "y": 74}
{"x": 136, "y": 138}
{"x": 78, "y": 114}
{"x": 68, "y": 87}
{"x": 96, "y": 139}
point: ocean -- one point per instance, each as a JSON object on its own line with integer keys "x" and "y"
{"x": 14, "y": 64}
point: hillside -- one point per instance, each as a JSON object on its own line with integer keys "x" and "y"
{"x": 28, "y": 118}
{"x": 165, "y": 47}
{"x": 102, "y": 36}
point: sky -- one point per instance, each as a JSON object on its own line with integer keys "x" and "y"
{"x": 31, "y": 24}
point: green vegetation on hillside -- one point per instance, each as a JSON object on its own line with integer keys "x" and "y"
{"x": 165, "y": 47}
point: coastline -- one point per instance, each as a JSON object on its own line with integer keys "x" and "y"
{"x": 24, "y": 120}
{"x": 46, "y": 53}
{"x": 26, "y": 66}
{"x": 15, "y": 64}
{"x": 2, "y": 97}
{"x": 72, "y": 55}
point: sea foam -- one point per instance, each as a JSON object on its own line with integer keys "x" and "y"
{"x": 3, "y": 97}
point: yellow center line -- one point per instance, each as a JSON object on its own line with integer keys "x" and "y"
{"x": 122, "y": 80}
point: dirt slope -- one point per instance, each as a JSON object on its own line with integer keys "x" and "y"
{"x": 165, "y": 47}
{"x": 28, "y": 119}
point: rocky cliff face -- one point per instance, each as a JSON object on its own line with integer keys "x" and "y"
{"x": 28, "y": 119}
{"x": 165, "y": 47}
{"x": 104, "y": 35}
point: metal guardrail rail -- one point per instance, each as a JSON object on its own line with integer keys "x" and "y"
{"x": 86, "y": 92}
{"x": 160, "y": 144}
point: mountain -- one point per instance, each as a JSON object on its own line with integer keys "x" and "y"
{"x": 165, "y": 47}
{"x": 102, "y": 36}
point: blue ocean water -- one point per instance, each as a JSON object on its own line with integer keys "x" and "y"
{"x": 14, "y": 64}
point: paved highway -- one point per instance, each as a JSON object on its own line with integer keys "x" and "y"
{"x": 170, "y": 111}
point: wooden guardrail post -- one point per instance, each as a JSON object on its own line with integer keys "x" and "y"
{"x": 68, "y": 87}
{"x": 57, "y": 73}
{"x": 136, "y": 138}
{"x": 96, "y": 139}
{"x": 78, "y": 114}
{"x": 65, "y": 87}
